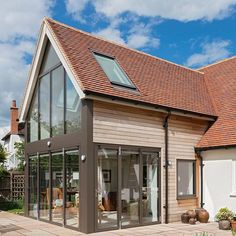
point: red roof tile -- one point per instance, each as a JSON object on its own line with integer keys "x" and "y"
{"x": 159, "y": 82}
{"x": 221, "y": 83}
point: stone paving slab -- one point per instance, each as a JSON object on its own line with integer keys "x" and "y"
{"x": 15, "y": 225}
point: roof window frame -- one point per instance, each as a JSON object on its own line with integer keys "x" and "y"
{"x": 132, "y": 86}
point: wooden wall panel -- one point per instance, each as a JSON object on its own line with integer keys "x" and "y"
{"x": 116, "y": 124}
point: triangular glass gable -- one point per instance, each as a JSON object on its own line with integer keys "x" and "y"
{"x": 50, "y": 59}
{"x": 56, "y": 107}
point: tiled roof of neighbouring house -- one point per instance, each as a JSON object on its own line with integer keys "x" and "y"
{"x": 221, "y": 82}
{"x": 158, "y": 82}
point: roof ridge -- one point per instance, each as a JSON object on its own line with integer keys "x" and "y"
{"x": 121, "y": 45}
{"x": 45, "y": 20}
{"x": 217, "y": 62}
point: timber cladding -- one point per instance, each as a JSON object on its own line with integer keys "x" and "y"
{"x": 117, "y": 124}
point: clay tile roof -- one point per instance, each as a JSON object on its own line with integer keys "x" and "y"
{"x": 158, "y": 82}
{"x": 221, "y": 82}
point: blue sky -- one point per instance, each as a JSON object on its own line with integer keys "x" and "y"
{"x": 187, "y": 32}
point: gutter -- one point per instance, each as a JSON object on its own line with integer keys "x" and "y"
{"x": 165, "y": 126}
{"x": 201, "y": 174}
{"x": 146, "y": 105}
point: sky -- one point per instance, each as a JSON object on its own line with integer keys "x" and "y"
{"x": 193, "y": 33}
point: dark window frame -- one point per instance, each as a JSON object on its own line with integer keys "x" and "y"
{"x": 63, "y": 152}
{"x": 120, "y": 148}
{"x": 37, "y": 88}
{"x": 186, "y": 196}
{"x": 132, "y": 86}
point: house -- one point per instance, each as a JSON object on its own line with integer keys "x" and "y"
{"x": 217, "y": 147}
{"x": 16, "y": 134}
{"x": 113, "y": 135}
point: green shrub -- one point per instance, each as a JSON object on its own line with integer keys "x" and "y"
{"x": 224, "y": 214}
{"x": 10, "y": 205}
{"x": 204, "y": 234}
{"x": 233, "y": 231}
{"x": 3, "y": 172}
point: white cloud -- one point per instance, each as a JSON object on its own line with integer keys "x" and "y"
{"x": 141, "y": 41}
{"x": 181, "y": 10}
{"x": 138, "y": 36}
{"x": 75, "y": 7}
{"x": 13, "y": 74}
{"x": 20, "y": 23}
{"x": 22, "y": 18}
{"x": 111, "y": 33}
{"x": 211, "y": 52}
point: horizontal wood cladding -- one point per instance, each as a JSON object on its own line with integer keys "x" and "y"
{"x": 117, "y": 124}
{"x": 123, "y": 125}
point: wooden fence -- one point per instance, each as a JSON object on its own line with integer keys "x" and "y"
{"x": 11, "y": 188}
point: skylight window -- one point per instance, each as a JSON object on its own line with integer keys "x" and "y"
{"x": 113, "y": 71}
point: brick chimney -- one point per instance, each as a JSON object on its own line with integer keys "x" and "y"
{"x": 14, "y": 118}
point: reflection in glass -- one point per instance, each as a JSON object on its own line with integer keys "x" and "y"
{"x": 130, "y": 188}
{"x": 44, "y": 192}
{"x": 186, "y": 178}
{"x": 44, "y": 109}
{"x": 72, "y": 188}
{"x": 33, "y": 119}
{"x": 113, "y": 71}
{"x": 150, "y": 187}
{"x": 73, "y": 108}
{"x": 33, "y": 164}
{"x": 57, "y": 187}
{"x": 57, "y": 101}
{"x": 107, "y": 188}
{"x": 50, "y": 59}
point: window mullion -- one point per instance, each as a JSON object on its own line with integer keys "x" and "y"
{"x": 65, "y": 100}
{"x": 50, "y": 104}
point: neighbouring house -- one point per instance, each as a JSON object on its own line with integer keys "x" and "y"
{"x": 114, "y": 136}
{"x": 16, "y": 134}
{"x": 217, "y": 147}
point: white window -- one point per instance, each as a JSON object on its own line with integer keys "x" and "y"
{"x": 186, "y": 172}
{"x": 233, "y": 193}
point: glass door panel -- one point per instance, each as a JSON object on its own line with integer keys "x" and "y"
{"x": 33, "y": 173}
{"x": 107, "y": 188}
{"x": 130, "y": 188}
{"x": 44, "y": 192}
{"x": 72, "y": 188}
{"x": 57, "y": 187}
{"x": 150, "y": 187}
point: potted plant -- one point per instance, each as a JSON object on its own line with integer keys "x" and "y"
{"x": 224, "y": 216}
{"x": 233, "y": 223}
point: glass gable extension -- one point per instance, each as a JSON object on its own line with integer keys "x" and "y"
{"x": 113, "y": 71}
{"x": 55, "y": 107}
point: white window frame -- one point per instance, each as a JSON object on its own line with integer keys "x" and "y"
{"x": 233, "y": 193}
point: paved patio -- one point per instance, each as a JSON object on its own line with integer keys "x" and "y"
{"x": 15, "y": 225}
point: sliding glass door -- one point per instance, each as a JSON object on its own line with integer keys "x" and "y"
{"x": 33, "y": 176}
{"x": 107, "y": 188}
{"x": 57, "y": 188}
{"x": 130, "y": 171}
{"x": 72, "y": 188}
{"x": 150, "y": 188}
{"x": 44, "y": 193}
{"x": 54, "y": 187}
{"x": 128, "y": 182}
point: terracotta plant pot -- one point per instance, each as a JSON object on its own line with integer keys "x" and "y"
{"x": 185, "y": 218}
{"x": 203, "y": 216}
{"x": 197, "y": 212}
{"x": 233, "y": 224}
{"x": 191, "y": 213}
{"x": 192, "y": 221}
{"x": 224, "y": 224}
